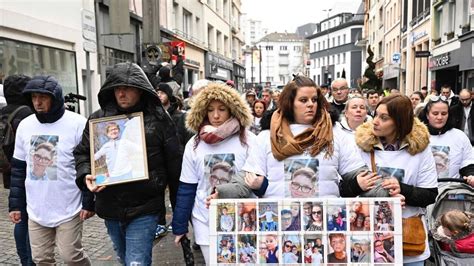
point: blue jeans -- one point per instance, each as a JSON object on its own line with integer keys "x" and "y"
{"x": 22, "y": 241}
{"x": 133, "y": 241}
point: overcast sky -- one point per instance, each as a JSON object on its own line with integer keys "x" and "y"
{"x": 281, "y": 15}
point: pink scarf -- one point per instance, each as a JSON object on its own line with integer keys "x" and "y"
{"x": 212, "y": 135}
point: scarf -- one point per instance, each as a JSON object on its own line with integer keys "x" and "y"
{"x": 212, "y": 135}
{"x": 315, "y": 138}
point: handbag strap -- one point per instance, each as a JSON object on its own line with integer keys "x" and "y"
{"x": 372, "y": 161}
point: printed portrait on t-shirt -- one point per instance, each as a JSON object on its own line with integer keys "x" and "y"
{"x": 219, "y": 169}
{"x": 390, "y": 172}
{"x": 42, "y": 160}
{"x": 301, "y": 178}
{"x": 441, "y": 157}
{"x": 226, "y": 249}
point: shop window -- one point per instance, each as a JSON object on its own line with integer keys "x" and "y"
{"x": 32, "y": 60}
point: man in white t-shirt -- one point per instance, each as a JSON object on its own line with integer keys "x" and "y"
{"x": 43, "y": 176}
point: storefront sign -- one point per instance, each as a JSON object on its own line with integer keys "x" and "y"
{"x": 218, "y": 67}
{"x": 417, "y": 35}
{"x": 440, "y": 60}
{"x": 422, "y": 53}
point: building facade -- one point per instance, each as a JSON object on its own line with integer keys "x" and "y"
{"x": 452, "y": 41}
{"x": 333, "y": 53}
{"x": 392, "y": 55}
{"x": 274, "y": 58}
{"x": 39, "y": 40}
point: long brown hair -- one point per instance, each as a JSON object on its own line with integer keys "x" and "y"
{"x": 401, "y": 111}
{"x": 288, "y": 95}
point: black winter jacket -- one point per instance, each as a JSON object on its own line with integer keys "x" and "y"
{"x": 127, "y": 201}
{"x": 12, "y": 90}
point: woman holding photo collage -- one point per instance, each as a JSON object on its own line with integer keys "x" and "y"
{"x": 397, "y": 140}
{"x": 219, "y": 117}
{"x": 301, "y": 135}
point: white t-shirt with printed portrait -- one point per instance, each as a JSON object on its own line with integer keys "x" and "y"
{"x": 55, "y": 199}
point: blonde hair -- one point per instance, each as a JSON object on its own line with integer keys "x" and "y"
{"x": 456, "y": 220}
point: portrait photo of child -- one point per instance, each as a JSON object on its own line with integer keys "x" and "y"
{"x": 336, "y": 217}
{"x": 118, "y": 145}
{"x": 42, "y": 159}
{"x": 247, "y": 248}
{"x": 268, "y": 216}
{"x": 441, "y": 156}
{"x": 226, "y": 249}
{"x": 225, "y": 217}
{"x": 268, "y": 249}
{"x": 383, "y": 220}
{"x": 314, "y": 249}
{"x": 291, "y": 216}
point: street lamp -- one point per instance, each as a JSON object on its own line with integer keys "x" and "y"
{"x": 327, "y": 48}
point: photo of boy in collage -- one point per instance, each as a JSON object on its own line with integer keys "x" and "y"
{"x": 306, "y": 231}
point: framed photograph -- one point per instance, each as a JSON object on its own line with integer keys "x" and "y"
{"x": 359, "y": 215}
{"x": 291, "y": 216}
{"x": 313, "y": 216}
{"x": 118, "y": 149}
{"x": 383, "y": 216}
{"x": 291, "y": 249}
{"x": 360, "y": 249}
{"x": 218, "y": 169}
{"x": 336, "y": 216}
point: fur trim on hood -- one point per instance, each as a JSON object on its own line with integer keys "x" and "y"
{"x": 221, "y": 92}
{"x": 415, "y": 142}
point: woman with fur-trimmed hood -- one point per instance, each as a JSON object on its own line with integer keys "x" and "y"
{"x": 399, "y": 144}
{"x": 219, "y": 117}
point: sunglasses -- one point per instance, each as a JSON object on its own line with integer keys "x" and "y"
{"x": 436, "y": 98}
{"x": 288, "y": 246}
{"x": 317, "y": 212}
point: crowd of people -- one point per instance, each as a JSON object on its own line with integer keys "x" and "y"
{"x": 223, "y": 144}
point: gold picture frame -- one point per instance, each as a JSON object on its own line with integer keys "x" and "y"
{"x": 118, "y": 149}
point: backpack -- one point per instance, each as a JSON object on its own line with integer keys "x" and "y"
{"x": 7, "y": 137}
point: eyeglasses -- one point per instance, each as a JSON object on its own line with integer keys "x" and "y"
{"x": 215, "y": 179}
{"x": 288, "y": 246}
{"x": 317, "y": 212}
{"x": 436, "y": 98}
{"x": 296, "y": 186}
{"x": 40, "y": 158}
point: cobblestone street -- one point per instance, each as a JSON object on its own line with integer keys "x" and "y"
{"x": 95, "y": 239}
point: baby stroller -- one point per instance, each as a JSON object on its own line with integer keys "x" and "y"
{"x": 453, "y": 193}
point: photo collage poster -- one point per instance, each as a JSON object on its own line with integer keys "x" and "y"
{"x": 311, "y": 231}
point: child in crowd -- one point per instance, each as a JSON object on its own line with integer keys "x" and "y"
{"x": 455, "y": 231}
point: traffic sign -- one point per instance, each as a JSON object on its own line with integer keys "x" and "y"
{"x": 396, "y": 57}
{"x": 89, "y": 46}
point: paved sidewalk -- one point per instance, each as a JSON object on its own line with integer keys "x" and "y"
{"x": 95, "y": 240}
